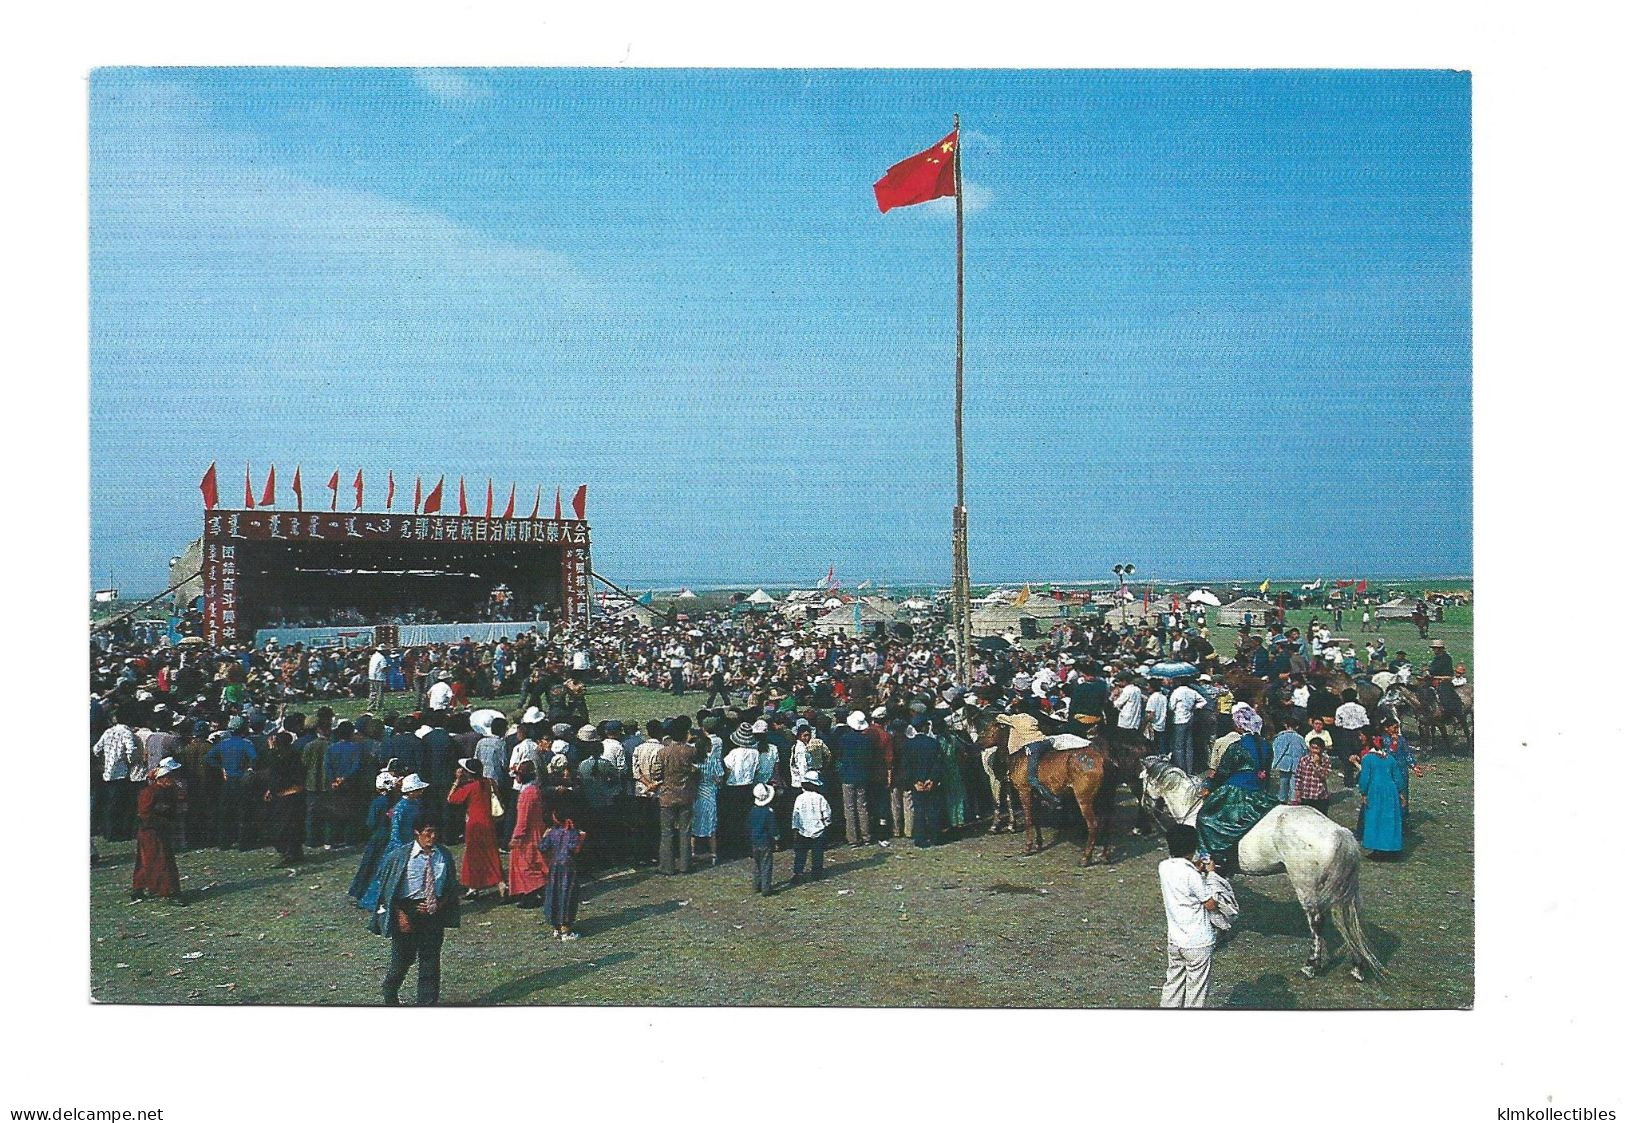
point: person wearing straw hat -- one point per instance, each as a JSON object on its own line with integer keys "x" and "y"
{"x": 740, "y": 762}
{"x": 156, "y": 808}
{"x": 762, "y": 827}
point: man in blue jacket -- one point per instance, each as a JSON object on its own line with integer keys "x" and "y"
{"x": 419, "y": 898}
{"x": 853, "y": 758}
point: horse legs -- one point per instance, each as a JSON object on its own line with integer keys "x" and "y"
{"x": 1035, "y": 834}
{"x": 1091, "y": 822}
{"x": 1003, "y": 813}
{"x": 1317, "y": 954}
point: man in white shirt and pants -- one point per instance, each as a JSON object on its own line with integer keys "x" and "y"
{"x": 1130, "y": 703}
{"x": 377, "y": 679}
{"x": 1188, "y": 897}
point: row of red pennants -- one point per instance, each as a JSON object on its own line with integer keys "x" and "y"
{"x": 429, "y": 504}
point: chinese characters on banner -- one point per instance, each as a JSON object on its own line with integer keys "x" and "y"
{"x": 222, "y": 530}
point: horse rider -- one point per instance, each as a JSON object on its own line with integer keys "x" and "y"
{"x": 1026, "y": 736}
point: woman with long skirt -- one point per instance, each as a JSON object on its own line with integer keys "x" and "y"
{"x": 378, "y": 830}
{"x": 527, "y": 865}
{"x": 703, "y": 828}
{"x": 1382, "y": 806}
{"x": 156, "y": 806}
{"x": 285, "y": 799}
{"x": 560, "y": 845}
{"x": 403, "y": 822}
{"x": 482, "y": 861}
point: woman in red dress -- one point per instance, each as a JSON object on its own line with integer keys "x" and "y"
{"x": 482, "y": 861}
{"x": 155, "y": 810}
{"x": 527, "y": 865}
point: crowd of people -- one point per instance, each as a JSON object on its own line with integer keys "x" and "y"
{"x": 803, "y": 742}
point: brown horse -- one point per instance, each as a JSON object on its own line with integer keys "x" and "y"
{"x": 1434, "y": 723}
{"x": 1080, "y": 769}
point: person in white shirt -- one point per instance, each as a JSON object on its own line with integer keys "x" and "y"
{"x": 1188, "y": 897}
{"x": 1348, "y": 732}
{"x": 1156, "y": 712}
{"x": 440, "y": 692}
{"x": 1182, "y": 706}
{"x": 377, "y": 679}
{"x": 1130, "y": 703}
{"x": 809, "y": 822}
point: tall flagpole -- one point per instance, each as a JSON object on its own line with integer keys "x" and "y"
{"x": 961, "y": 549}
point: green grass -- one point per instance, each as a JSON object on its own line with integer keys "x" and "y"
{"x": 1456, "y": 631}
{"x": 971, "y": 923}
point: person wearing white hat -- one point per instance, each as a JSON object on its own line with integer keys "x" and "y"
{"x": 385, "y": 784}
{"x": 763, "y": 829}
{"x": 809, "y": 824}
{"x": 854, "y": 753}
{"x": 156, "y": 807}
{"x": 440, "y": 693}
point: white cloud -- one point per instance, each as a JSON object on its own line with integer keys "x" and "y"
{"x": 449, "y": 87}
{"x": 977, "y": 198}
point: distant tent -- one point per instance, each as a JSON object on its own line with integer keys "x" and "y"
{"x": 687, "y": 594}
{"x": 1247, "y": 612}
{"x": 1400, "y": 608}
{"x": 760, "y": 597}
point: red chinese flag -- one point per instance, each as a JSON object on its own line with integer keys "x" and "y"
{"x": 579, "y": 502}
{"x": 920, "y": 178}
{"x": 462, "y": 497}
{"x": 333, "y": 486}
{"x": 358, "y": 489}
{"x": 417, "y": 495}
{"x": 389, "y": 495}
{"x": 536, "y": 508}
{"x": 210, "y": 487}
{"x": 248, "y": 490}
{"x": 431, "y": 504}
{"x": 512, "y": 488}
{"x": 298, "y": 489}
{"x": 268, "y": 496}
{"x": 558, "y": 503}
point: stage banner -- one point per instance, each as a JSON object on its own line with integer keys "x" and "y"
{"x": 223, "y": 529}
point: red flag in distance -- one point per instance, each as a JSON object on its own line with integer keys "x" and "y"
{"x": 389, "y": 495}
{"x": 248, "y": 490}
{"x": 490, "y": 498}
{"x": 358, "y": 489}
{"x": 512, "y": 488}
{"x": 431, "y": 502}
{"x": 210, "y": 487}
{"x": 462, "y": 497}
{"x": 920, "y": 178}
{"x": 558, "y": 503}
{"x": 579, "y": 502}
{"x": 333, "y": 486}
{"x": 268, "y": 496}
{"x": 536, "y": 508}
{"x": 298, "y": 489}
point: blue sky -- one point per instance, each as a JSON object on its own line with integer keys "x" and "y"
{"x": 1218, "y": 323}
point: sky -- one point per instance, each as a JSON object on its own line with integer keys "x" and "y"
{"x": 1218, "y": 323}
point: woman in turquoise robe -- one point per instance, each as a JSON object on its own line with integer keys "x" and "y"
{"x": 953, "y": 785}
{"x": 1382, "y": 806}
{"x": 402, "y": 822}
{"x": 378, "y": 831}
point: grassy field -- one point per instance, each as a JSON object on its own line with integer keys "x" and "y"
{"x": 971, "y": 923}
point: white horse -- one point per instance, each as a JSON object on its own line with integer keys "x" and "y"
{"x": 1321, "y": 858}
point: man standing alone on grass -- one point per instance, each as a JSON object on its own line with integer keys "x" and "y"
{"x": 1188, "y": 897}
{"x": 419, "y": 898}
{"x": 377, "y": 679}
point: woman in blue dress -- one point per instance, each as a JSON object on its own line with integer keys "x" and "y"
{"x": 1382, "y": 806}
{"x": 561, "y": 844}
{"x": 705, "y": 798}
{"x": 378, "y": 830}
{"x": 403, "y": 821}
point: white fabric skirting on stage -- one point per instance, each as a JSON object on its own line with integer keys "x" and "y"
{"x": 411, "y": 635}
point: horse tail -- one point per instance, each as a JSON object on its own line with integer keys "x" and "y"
{"x": 1340, "y": 890}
